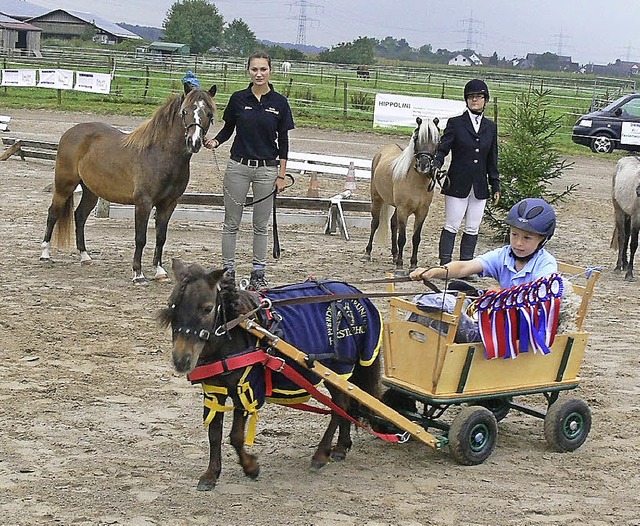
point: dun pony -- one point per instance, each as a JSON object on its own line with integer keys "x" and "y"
{"x": 404, "y": 179}
{"x": 147, "y": 168}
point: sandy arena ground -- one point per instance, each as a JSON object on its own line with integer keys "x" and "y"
{"x": 97, "y": 429}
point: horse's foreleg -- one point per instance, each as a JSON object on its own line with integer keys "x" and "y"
{"x": 143, "y": 210}
{"x": 623, "y": 226}
{"x": 163, "y": 214}
{"x": 402, "y": 241}
{"x": 415, "y": 241}
{"x": 394, "y": 237}
{"x": 323, "y": 452}
{"x": 249, "y": 462}
{"x": 87, "y": 203}
{"x": 210, "y": 477}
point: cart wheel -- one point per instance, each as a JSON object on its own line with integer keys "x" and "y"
{"x": 498, "y": 406}
{"x": 472, "y": 435}
{"x": 567, "y": 424}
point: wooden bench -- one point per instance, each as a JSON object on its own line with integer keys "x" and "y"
{"x": 328, "y": 164}
{"x": 27, "y": 148}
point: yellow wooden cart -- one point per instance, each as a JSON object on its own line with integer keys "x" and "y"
{"x": 424, "y": 365}
{"x": 427, "y": 373}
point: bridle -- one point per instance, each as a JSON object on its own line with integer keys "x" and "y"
{"x": 422, "y": 157}
{"x": 187, "y": 127}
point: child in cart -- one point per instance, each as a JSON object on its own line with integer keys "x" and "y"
{"x": 523, "y": 261}
{"x": 532, "y": 222}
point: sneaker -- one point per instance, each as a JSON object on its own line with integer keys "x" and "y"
{"x": 257, "y": 280}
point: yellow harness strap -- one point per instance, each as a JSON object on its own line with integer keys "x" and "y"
{"x": 245, "y": 394}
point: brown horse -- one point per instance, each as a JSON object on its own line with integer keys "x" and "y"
{"x": 346, "y": 337}
{"x": 147, "y": 168}
{"x": 404, "y": 179}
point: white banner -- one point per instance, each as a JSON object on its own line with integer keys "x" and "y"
{"x": 95, "y": 82}
{"x": 56, "y": 78}
{"x": 18, "y": 77}
{"x": 630, "y": 133}
{"x": 402, "y": 110}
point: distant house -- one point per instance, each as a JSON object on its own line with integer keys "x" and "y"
{"x": 168, "y": 48}
{"x": 463, "y": 59}
{"x": 64, "y": 24}
{"x": 16, "y": 35}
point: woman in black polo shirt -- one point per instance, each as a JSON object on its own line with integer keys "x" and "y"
{"x": 262, "y": 119}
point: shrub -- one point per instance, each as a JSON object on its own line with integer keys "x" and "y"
{"x": 527, "y": 160}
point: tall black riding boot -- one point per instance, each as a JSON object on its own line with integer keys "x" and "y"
{"x": 468, "y": 246}
{"x": 445, "y": 247}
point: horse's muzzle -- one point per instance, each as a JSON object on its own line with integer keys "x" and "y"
{"x": 185, "y": 354}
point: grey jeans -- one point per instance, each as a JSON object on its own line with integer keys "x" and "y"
{"x": 237, "y": 179}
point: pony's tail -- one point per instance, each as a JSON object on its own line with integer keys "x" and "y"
{"x": 614, "y": 239}
{"x": 383, "y": 234}
{"x": 63, "y": 229}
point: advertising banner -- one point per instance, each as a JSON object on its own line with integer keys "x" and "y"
{"x": 630, "y": 133}
{"x": 94, "y": 82}
{"x": 18, "y": 77}
{"x": 402, "y": 110}
{"x": 56, "y": 78}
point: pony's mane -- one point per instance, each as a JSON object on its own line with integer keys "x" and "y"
{"x": 155, "y": 129}
{"x": 428, "y": 134}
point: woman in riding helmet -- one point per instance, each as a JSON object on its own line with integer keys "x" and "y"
{"x": 531, "y": 222}
{"x": 472, "y": 176}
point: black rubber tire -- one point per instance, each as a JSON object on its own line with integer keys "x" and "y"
{"x": 567, "y": 424}
{"x": 498, "y": 406}
{"x": 472, "y": 435}
{"x": 602, "y": 143}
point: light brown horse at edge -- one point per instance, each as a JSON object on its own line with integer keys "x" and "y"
{"x": 403, "y": 179}
{"x": 146, "y": 168}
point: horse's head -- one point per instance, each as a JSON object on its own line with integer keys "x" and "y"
{"x": 426, "y": 137}
{"x": 198, "y": 111}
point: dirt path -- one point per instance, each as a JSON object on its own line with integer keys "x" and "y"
{"x": 97, "y": 429}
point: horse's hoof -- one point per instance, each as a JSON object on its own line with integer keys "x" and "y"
{"x": 338, "y": 456}
{"x": 45, "y": 260}
{"x": 86, "y": 262}
{"x": 140, "y": 280}
{"x": 629, "y": 278}
{"x": 164, "y": 278}
{"x": 206, "y": 485}
{"x": 253, "y": 474}
{"x": 317, "y": 465}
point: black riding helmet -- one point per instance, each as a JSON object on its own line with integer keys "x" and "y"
{"x": 476, "y": 86}
{"x": 533, "y": 215}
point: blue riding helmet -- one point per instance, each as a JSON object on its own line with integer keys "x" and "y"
{"x": 190, "y": 78}
{"x": 476, "y": 86}
{"x": 533, "y": 215}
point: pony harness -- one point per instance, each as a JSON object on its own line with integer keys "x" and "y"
{"x": 337, "y": 333}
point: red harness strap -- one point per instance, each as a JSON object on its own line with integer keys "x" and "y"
{"x": 277, "y": 364}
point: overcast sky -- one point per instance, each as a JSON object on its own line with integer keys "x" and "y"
{"x": 509, "y": 27}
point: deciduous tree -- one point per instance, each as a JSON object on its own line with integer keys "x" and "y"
{"x": 196, "y": 23}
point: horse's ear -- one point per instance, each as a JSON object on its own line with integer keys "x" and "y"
{"x": 179, "y": 268}
{"x": 213, "y": 90}
{"x": 214, "y": 276}
{"x": 436, "y": 120}
{"x": 418, "y": 121}
{"x": 187, "y": 87}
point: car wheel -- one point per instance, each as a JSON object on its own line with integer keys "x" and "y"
{"x": 602, "y": 143}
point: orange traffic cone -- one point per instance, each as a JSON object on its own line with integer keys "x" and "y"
{"x": 350, "y": 183}
{"x": 313, "y": 186}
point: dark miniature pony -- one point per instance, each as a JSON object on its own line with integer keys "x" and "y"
{"x": 201, "y": 306}
{"x": 147, "y": 168}
{"x": 404, "y": 180}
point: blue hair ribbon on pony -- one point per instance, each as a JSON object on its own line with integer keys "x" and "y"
{"x": 190, "y": 78}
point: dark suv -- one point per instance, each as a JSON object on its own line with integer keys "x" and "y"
{"x": 614, "y": 126}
